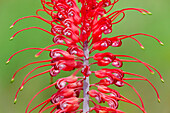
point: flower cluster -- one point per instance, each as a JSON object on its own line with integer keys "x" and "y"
{"x": 81, "y": 30}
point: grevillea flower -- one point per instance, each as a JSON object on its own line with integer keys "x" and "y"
{"x": 81, "y": 30}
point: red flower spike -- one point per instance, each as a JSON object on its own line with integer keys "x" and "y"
{"x": 54, "y": 72}
{"x": 117, "y": 63}
{"x": 71, "y": 25}
{"x": 75, "y": 51}
{"x": 81, "y": 32}
{"x": 66, "y": 65}
{"x": 70, "y": 34}
{"x": 105, "y": 89}
{"x": 116, "y": 42}
{"x": 112, "y": 99}
{"x": 98, "y": 12}
{"x": 104, "y": 58}
{"x": 102, "y": 26}
{"x": 62, "y": 82}
{"x": 102, "y": 44}
{"x": 111, "y": 77}
{"x": 67, "y": 105}
{"x": 63, "y": 93}
{"x": 101, "y": 98}
{"x": 57, "y": 29}
{"x": 100, "y": 56}
{"x": 106, "y": 110}
{"x": 86, "y": 71}
{"x": 59, "y": 39}
{"x": 77, "y": 84}
{"x": 56, "y": 53}
{"x": 104, "y": 82}
{"x": 106, "y": 42}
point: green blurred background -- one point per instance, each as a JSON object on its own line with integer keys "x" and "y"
{"x": 158, "y": 25}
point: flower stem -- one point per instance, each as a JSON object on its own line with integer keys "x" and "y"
{"x": 86, "y": 81}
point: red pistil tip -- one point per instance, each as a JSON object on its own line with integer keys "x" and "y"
{"x": 11, "y": 38}
{"x": 162, "y": 80}
{"x": 162, "y": 43}
{"x": 7, "y": 62}
{"x": 22, "y": 87}
{"x": 15, "y": 101}
{"x": 12, "y": 80}
{"x": 159, "y": 100}
{"x": 11, "y": 26}
{"x": 142, "y": 47}
{"x": 36, "y": 56}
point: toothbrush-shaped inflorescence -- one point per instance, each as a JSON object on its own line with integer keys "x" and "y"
{"x": 81, "y": 30}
